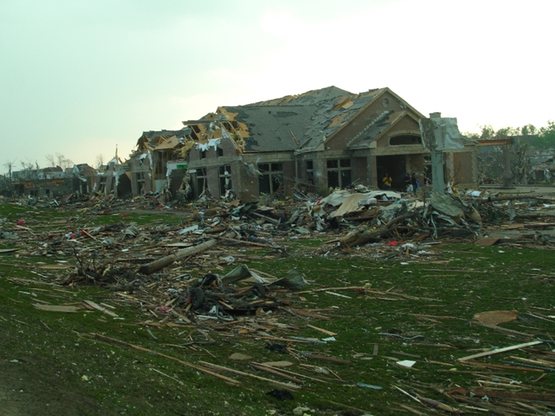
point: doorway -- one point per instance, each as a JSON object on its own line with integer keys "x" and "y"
{"x": 395, "y": 166}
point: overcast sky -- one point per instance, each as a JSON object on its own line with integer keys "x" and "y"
{"x": 78, "y": 77}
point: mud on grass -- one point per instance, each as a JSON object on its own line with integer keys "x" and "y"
{"x": 51, "y": 364}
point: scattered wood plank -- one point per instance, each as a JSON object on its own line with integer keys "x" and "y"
{"x": 488, "y": 241}
{"x": 322, "y": 330}
{"x": 100, "y": 308}
{"x": 411, "y": 410}
{"x": 286, "y": 373}
{"x": 8, "y": 250}
{"x": 500, "y": 350}
{"x": 23, "y": 281}
{"x": 276, "y": 372}
{"x": 326, "y": 357}
{"x": 57, "y": 308}
{"x": 87, "y": 234}
{"x": 245, "y": 242}
{"x": 502, "y": 367}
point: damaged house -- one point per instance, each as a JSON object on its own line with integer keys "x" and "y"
{"x": 53, "y": 182}
{"x": 156, "y": 157}
{"x": 114, "y": 178}
{"x": 318, "y": 140}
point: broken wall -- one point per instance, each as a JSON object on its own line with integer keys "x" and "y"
{"x": 141, "y": 173}
{"x": 464, "y": 166}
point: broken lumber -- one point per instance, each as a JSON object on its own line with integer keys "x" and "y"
{"x": 245, "y": 242}
{"x": 94, "y": 305}
{"x": 159, "y": 264}
{"x": 57, "y": 308}
{"x": 363, "y": 235}
{"x": 285, "y": 373}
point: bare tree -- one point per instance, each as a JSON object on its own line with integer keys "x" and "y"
{"x": 26, "y": 165}
{"x": 29, "y": 169}
{"x": 63, "y": 161}
{"x": 9, "y": 165}
{"x": 99, "y": 160}
{"x": 51, "y": 160}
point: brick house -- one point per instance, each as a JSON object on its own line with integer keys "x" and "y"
{"x": 317, "y": 140}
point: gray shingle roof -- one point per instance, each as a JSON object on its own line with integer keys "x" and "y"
{"x": 301, "y": 121}
{"x": 274, "y": 127}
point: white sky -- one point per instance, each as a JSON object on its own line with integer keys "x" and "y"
{"x": 78, "y": 77}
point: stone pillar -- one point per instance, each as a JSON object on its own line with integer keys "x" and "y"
{"x": 449, "y": 159}
{"x": 372, "y": 166}
{"x": 320, "y": 175}
{"x": 438, "y": 181}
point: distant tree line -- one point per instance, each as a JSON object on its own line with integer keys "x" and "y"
{"x": 541, "y": 139}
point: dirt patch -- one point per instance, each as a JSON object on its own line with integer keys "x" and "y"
{"x": 26, "y": 388}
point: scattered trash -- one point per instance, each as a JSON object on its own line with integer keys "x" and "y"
{"x": 369, "y": 386}
{"x": 493, "y": 318}
{"x": 406, "y": 363}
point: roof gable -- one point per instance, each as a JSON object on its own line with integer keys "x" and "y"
{"x": 387, "y": 121}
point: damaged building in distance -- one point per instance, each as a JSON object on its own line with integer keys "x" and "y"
{"x": 316, "y": 141}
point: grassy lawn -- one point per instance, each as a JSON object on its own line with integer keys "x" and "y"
{"x": 384, "y": 307}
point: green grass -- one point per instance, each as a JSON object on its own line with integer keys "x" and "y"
{"x": 430, "y": 323}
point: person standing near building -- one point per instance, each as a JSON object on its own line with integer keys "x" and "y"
{"x": 407, "y": 183}
{"x": 414, "y": 182}
{"x": 387, "y": 181}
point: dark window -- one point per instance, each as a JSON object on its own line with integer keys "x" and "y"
{"x": 310, "y": 172}
{"x": 160, "y": 167}
{"x": 271, "y": 178}
{"x": 333, "y": 179}
{"x": 202, "y": 154}
{"x": 403, "y": 140}
{"x": 202, "y": 180}
{"x": 225, "y": 179}
{"x": 332, "y": 164}
{"x": 220, "y": 151}
{"x": 140, "y": 176}
{"x": 345, "y": 175}
{"x": 339, "y": 173}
